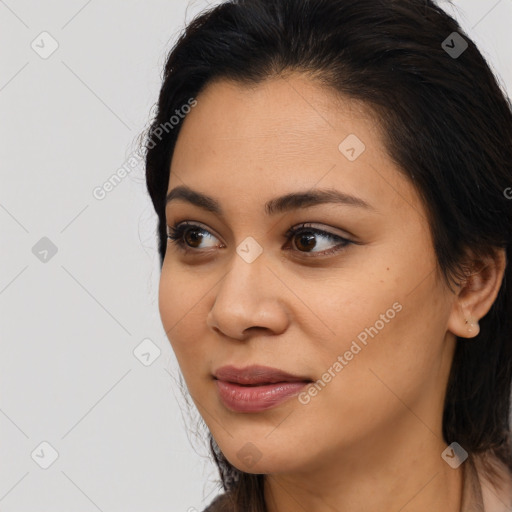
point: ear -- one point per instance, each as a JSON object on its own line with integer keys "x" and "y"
{"x": 476, "y": 294}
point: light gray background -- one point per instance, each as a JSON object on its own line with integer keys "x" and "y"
{"x": 69, "y": 326}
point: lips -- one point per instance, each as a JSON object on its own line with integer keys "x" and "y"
{"x": 256, "y": 388}
{"x": 256, "y": 375}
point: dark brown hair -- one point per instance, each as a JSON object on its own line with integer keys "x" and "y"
{"x": 447, "y": 124}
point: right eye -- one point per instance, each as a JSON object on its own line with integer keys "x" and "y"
{"x": 187, "y": 236}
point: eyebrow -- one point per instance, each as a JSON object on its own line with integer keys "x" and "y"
{"x": 292, "y": 201}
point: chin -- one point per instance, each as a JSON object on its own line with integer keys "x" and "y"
{"x": 263, "y": 460}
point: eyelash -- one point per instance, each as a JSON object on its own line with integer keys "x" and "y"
{"x": 175, "y": 235}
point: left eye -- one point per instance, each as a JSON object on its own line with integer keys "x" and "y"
{"x": 305, "y": 238}
{"x": 188, "y": 237}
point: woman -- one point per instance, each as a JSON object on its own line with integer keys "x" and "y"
{"x": 332, "y": 183}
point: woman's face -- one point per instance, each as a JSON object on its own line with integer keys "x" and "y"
{"x": 369, "y": 322}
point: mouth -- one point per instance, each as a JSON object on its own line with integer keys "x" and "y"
{"x": 255, "y": 389}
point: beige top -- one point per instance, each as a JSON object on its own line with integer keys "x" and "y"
{"x": 481, "y": 495}
{"x": 472, "y": 499}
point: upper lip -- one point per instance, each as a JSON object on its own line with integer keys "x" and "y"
{"x": 256, "y": 374}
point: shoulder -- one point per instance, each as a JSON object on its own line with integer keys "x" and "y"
{"x": 221, "y": 503}
{"x": 496, "y": 483}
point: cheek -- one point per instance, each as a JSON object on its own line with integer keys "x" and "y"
{"x": 180, "y": 307}
{"x": 384, "y": 325}
{"x": 168, "y": 306}
{"x": 391, "y": 351}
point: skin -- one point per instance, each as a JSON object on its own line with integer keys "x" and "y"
{"x": 371, "y": 439}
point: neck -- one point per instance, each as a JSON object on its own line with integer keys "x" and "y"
{"x": 400, "y": 470}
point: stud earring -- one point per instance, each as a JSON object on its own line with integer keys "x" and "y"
{"x": 472, "y": 324}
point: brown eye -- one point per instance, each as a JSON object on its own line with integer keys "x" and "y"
{"x": 188, "y": 236}
{"x": 193, "y": 237}
{"x": 306, "y": 238}
{"x": 305, "y": 241}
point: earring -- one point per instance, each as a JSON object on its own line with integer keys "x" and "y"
{"x": 472, "y": 323}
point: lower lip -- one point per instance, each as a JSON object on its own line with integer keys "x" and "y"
{"x": 256, "y": 398}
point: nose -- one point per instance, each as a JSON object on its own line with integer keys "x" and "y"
{"x": 249, "y": 297}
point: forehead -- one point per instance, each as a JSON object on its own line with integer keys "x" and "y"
{"x": 285, "y": 113}
{"x": 278, "y": 136}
